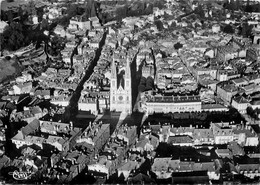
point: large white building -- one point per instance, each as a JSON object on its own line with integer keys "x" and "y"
{"x": 166, "y": 104}
{"x": 121, "y": 89}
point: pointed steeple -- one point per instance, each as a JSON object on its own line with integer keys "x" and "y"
{"x": 127, "y": 68}
{"x": 113, "y": 68}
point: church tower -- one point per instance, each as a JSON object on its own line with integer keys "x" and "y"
{"x": 121, "y": 89}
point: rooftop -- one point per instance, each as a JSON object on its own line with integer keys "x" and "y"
{"x": 174, "y": 99}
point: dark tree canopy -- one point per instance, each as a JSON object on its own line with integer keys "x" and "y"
{"x": 199, "y": 11}
{"x": 228, "y": 29}
{"x": 178, "y": 45}
{"x": 159, "y": 25}
{"x": 246, "y": 30}
{"x": 13, "y": 36}
{"x": 30, "y": 8}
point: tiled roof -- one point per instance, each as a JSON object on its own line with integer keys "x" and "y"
{"x": 240, "y": 99}
{"x": 174, "y": 99}
{"x": 179, "y": 139}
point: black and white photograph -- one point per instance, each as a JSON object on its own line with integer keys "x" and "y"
{"x": 130, "y": 92}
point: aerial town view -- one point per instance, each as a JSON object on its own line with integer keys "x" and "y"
{"x": 130, "y": 92}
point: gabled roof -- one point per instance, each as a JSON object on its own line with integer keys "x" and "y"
{"x": 19, "y": 136}
{"x": 31, "y": 127}
{"x": 240, "y": 100}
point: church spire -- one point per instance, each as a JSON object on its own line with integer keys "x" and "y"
{"x": 113, "y": 68}
{"x": 127, "y": 68}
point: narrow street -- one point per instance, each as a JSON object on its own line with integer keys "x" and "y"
{"x": 72, "y": 109}
{"x": 181, "y": 58}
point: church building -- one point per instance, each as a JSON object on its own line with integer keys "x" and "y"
{"x": 121, "y": 88}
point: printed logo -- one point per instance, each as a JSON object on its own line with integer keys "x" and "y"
{"x": 21, "y": 175}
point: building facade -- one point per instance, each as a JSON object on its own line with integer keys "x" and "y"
{"x": 166, "y": 104}
{"x": 121, "y": 89}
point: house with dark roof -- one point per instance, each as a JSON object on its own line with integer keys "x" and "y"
{"x": 226, "y": 91}
{"x": 240, "y": 81}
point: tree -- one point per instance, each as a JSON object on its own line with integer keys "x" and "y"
{"x": 248, "y": 7}
{"x": 64, "y": 21}
{"x": 57, "y": 44}
{"x": 238, "y": 5}
{"x": 228, "y": 29}
{"x": 241, "y": 69}
{"x": 72, "y": 10}
{"x": 30, "y": 8}
{"x": 149, "y": 9}
{"x": 250, "y": 111}
{"x": 199, "y": 11}
{"x": 246, "y": 30}
{"x": 121, "y": 12}
{"x": 159, "y": 25}
{"x": 177, "y": 46}
{"x": 159, "y": 4}
{"x": 10, "y": 16}
{"x": 44, "y": 24}
{"x": 1, "y": 42}
{"x": 13, "y": 36}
